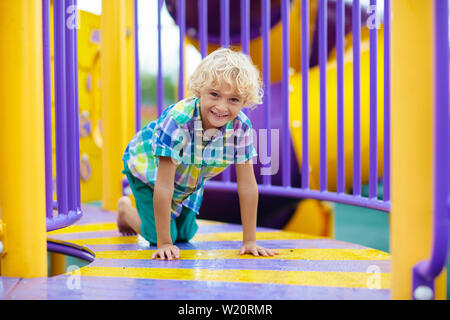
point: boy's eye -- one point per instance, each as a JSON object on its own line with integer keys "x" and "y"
{"x": 234, "y": 100}
{"x": 213, "y": 94}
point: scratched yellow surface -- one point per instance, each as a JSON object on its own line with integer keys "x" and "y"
{"x": 219, "y": 236}
{"x": 111, "y": 226}
{"x": 285, "y": 254}
{"x": 305, "y": 278}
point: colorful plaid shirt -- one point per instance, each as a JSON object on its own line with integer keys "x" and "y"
{"x": 178, "y": 134}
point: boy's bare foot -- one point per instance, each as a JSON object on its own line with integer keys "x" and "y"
{"x": 123, "y": 206}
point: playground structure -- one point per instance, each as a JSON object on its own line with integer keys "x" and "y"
{"x": 418, "y": 175}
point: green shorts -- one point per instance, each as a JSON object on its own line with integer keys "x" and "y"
{"x": 182, "y": 229}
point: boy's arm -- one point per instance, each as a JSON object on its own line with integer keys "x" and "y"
{"x": 248, "y": 202}
{"x": 162, "y": 199}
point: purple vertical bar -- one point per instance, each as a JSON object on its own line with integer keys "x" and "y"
{"x": 77, "y": 122}
{"x": 60, "y": 106}
{"x": 137, "y": 72}
{"x": 356, "y": 25}
{"x": 265, "y": 20}
{"x": 225, "y": 43}
{"x": 181, "y": 20}
{"x": 373, "y": 35}
{"x": 159, "y": 77}
{"x": 203, "y": 27}
{"x": 72, "y": 112}
{"x": 225, "y": 23}
{"x": 425, "y": 272}
{"x": 387, "y": 103}
{"x": 245, "y": 26}
{"x": 340, "y": 95}
{"x": 323, "y": 93}
{"x": 305, "y": 93}
{"x": 441, "y": 140}
{"x": 286, "y": 137}
{"x": 47, "y": 108}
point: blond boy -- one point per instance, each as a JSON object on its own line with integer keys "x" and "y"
{"x": 168, "y": 161}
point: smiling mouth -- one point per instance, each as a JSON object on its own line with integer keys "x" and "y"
{"x": 221, "y": 116}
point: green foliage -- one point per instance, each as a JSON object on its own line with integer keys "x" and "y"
{"x": 148, "y": 89}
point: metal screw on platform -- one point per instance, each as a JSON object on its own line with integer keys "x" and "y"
{"x": 423, "y": 293}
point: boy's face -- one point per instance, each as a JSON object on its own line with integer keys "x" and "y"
{"x": 218, "y": 105}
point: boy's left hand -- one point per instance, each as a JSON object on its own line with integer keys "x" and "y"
{"x": 252, "y": 248}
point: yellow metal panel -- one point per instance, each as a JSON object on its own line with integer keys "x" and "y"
{"x": 220, "y": 236}
{"x": 305, "y": 278}
{"x": 285, "y": 254}
{"x": 117, "y": 106}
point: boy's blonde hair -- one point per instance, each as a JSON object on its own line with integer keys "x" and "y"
{"x": 235, "y": 69}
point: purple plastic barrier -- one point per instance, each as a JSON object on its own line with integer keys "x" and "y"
{"x": 356, "y": 10}
{"x": 66, "y": 115}
{"x": 323, "y": 95}
{"x": 305, "y": 93}
{"x": 425, "y": 272}
{"x": 373, "y": 177}
{"x": 387, "y": 103}
{"x": 340, "y": 33}
{"x": 283, "y": 189}
{"x": 47, "y": 108}
{"x": 137, "y": 67}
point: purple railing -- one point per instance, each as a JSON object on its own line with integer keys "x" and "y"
{"x": 425, "y": 272}
{"x": 286, "y": 189}
{"x": 68, "y": 206}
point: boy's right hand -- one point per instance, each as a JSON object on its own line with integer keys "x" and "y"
{"x": 167, "y": 250}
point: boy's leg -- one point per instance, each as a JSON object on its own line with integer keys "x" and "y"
{"x": 186, "y": 224}
{"x": 128, "y": 221}
{"x": 143, "y": 195}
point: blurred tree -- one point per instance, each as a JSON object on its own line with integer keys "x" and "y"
{"x": 148, "y": 84}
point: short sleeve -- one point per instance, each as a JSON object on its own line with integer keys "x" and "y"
{"x": 169, "y": 139}
{"x": 244, "y": 148}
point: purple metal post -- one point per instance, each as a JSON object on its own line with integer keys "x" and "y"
{"x": 181, "y": 20}
{"x": 286, "y": 178}
{"x": 323, "y": 93}
{"x": 137, "y": 71}
{"x": 265, "y": 21}
{"x": 225, "y": 23}
{"x": 356, "y": 98}
{"x": 72, "y": 108}
{"x": 425, "y": 272}
{"x": 77, "y": 123}
{"x": 60, "y": 106}
{"x": 373, "y": 35}
{"x": 245, "y": 26}
{"x": 203, "y": 27}
{"x": 340, "y": 95}
{"x": 159, "y": 77}
{"x": 387, "y": 103}
{"x": 305, "y": 93}
{"x": 47, "y": 108}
